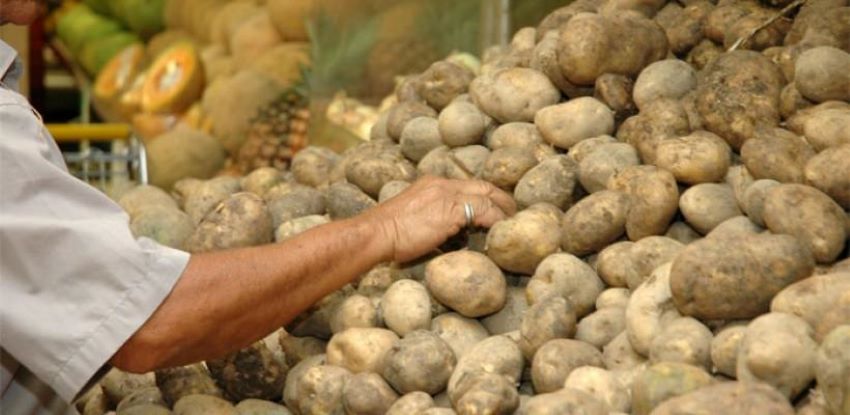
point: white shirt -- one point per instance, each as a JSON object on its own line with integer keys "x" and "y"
{"x": 74, "y": 282}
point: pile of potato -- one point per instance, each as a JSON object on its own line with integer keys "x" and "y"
{"x": 681, "y": 246}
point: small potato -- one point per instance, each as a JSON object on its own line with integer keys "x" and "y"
{"x": 650, "y": 308}
{"x": 615, "y": 91}
{"x": 261, "y": 407}
{"x": 345, "y": 200}
{"x": 613, "y": 298}
{"x": 141, "y": 397}
{"x": 566, "y": 276}
{"x": 467, "y": 282}
{"x": 167, "y": 225}
{"x": 291, "y": 392}
{"x": 261, "y": 180}
{"x": 684, "y": 26}
{"x": 566, "y": 124}
{"x": 552, "y": 181}
{"x": 648, "y": 254}
{"x": 315, "y": 321}
{"x": 602, "y": 385}
{"x": 297, "y": 349}
{"x": 778, "y": 154}
{"x": 370, "y": 172}
{"x": 703, "y": 54}
{"x": 177, "y": 382}
{"x": 654, "y": 199}
{"x": 356, "y": 311}
{"x": 549, "y": 319}
{"x": 596, "y": 169}
{"x": 833, "y": 369}
{"x": 821, "y": 74}
{"x": 118, "y": 385}
{"x": 367, "y": 394}
{"x": 203, "y": 198}
{"x": 466, "y": 162}
{"x": 402, "y": 113}
{"x": 406, "y": 306}
{"x": 669, "y": 78}
{"x": 142, "y": 197}
{"x": 619, "y": 355}
{"x": 734, "y": 228}
{"x": 682, "y": 232}
{"x": 462, "y": 124}
{"x": 564, "y": 401}
{"x": 497, "y": 355}
{"x": 515, "y": 134}
{"x": 520, "y": 243}
{"x": 829, "y": 173}
{"x": 764, "y": 38}
{"x": 252, "y": 372}
{"x": 420, "y": 135}
{"x": 601, "y": 326}
{"x": 421, "y": 361}
{"x": 584, "y": 147}
{"x": 683, "y": 340}
{"x": 734, "y": 267}
{"x": 814, "y": 299}
{"x": 614, "y": 264}
{"x": 662, "y": 381}
{"x": 442, "y": 82}
{"x": 320, "y": 390}
{"x": 740, "y": 179}
{"x": 744, "y": 398}
{"x": 706, "y": 205}
{"x": 239, "y": 221}
{"x": 360, "y": 349}
{"x": 506, "y": 166}
{"x": 297, "y": 226}
{"x": 312, "y": 166}
{"x": 594, "y": 222}
{"x": 459, "y": 332}
{"x": 809, "y": 215}
{"x": 724, "y": 348}
{"x": 411, "y": 403}
{"x": 203, "y": 404}
{"x": 754, "y": 197}
{"x": 700, "y": 157}
{"x": 489, "y": 393}
{"x": 300, "y": 201}
{"x": 791, "y": 101}
{"x": 662, "y": 119}
{"x": 509, "y": 318}
{"x": 554, "y": 361}
{"x": 778, "y": 349}
{"x": 513, "y": 94}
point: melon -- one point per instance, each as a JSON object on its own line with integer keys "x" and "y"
{"x": 253, "y": 38}
{"x": 98, "y": 52}
{"x": 167, "y": 225}
{"x": 144, "y": 17}
{"x": 174, "y": 81}
{"x": 131, "y": 100}
{"x": 162, "y": 41}
{"x": 119, "y": 73}
{"x": 217, "y": 63}
{"x": 99, "y": 6}
{"x": 228, "y": 19}
{"x": 290, "y": 17}
{"x": 183, "y": 153}
{"x": 284, "y": 62}
{"x": 80, "y": 25}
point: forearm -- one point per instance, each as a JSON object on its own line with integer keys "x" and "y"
{"x": 226, "y": 300}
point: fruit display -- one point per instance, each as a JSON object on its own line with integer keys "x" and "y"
{"x": 682, "y": 174}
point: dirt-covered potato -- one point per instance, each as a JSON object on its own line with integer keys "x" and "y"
{"x": 406, "y": 306}
{"x": 296, "y": 349}
{"x": 551, "y": 318}
{"x": 829, "y": 172}
{"x": 442, "y": 82}
{"x": 648, "y": 254}
{"x": 118, "y": 385}
{"x": 683, "y": 340}
{"x": 411, "y": 403}
{"x": 509, "y": 318}
{"x": 684, "y": 26}
{"x": 360, "y": 349}
{"x": 370, "y": 172}
{"x": 615, "y": 91}
{"x": 650, "y": 308}
{"x": 725, "y": 278}
{"x": 261, "y": 407}
{"x": 462, "y": 124}
{"x": 766, "y": 37}
{"x": 520, "y": 243}
{"x": 147, "y": 409}
{"x": 703, "y": 53}
{"x": 515, "y": 134}
{"x": 753, "y": 202}
{"x": 584, "y": 147}
{"x": 663, "y": 381}
{"x": 177, "y": 382}
{"x": 724, "y": 348}
{"x": 252, "y": 372}
{"x": 466, "y": 162}
{"x": 544, "y": 58}
{"x": 296, "y": 202}
{"x": 660, "y": 120}
{"x": 552, "y": 181}
{"x": 203, "y": 404}
{"x": 142, "y": 197}
{"x": 809, "y": 215}
{"x": 402, "y": 113}
{"x": 624, "y": 43}
{"x": 813, "y": 298}
{"x": 167, "y": 225}
{"x": 320, "y": 390}
{"x": 200, "y": 199}
{"x": 566, "y": 276}
{"x": 791, "y": 101}
{"x": 312, "y": 166}
{"x": 776, "y": 154}
{"x": 240, "y": 220}
{"x": 669, "y": 78}
{"x": 833, "y": 369}
{"x": 355, "y": 311}
{"x": 601, "y": 384}
{"x": 392, "y": 189}
{"x": 513, "y": 94}
{"x": 563, "y": 401}
{"x": 739, "y": 226}
{"x": 594, "y": 222}
{"x": 497, "y": 355}
{"x": 421, "y": 361}
{"x": 564, "y": 125}
{"x": 778, "y": 349}
{"x": 297, "y": 226}
{"x": 148, "y": 396}
{"x": 654, "y": 199}
{"x": 724, "y": 16}
{"x": 291, "y": 392}
{"x": 706, "y": 205}
{"x": 367, "y": 394}
{"x": 600, "y": 327}
{"x": 613, "y": 264}
{"x": 467, "y": 282}
{"x": 315, "y": 321}
{"x": 821, "y": 74}
{"x": 261, "y": 180}
{"x": 745, "y": 398}
{"x": 614, "y": 297}
{"x": 619, "y": 355}
{"x": 459, "y": 332}
{"x": 738, "y": 93}
{"x": 682, "y": 232}
{"x": 700, "y": 157}
{"x": 480, "y": 392}
{"x": 597, "y": 167}
{"x": 420, "y": 136}
{"x": 555, "y": 359}
{"x": 506, "y": 166}
{"x": 345, "y": 200}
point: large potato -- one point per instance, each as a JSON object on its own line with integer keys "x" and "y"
{"x": 345, "y": 200}
{"x": 552, "y": 318}
{"x": 406, "y": 306}
{"x": 699, "y": 157}
{"x": 742, "y": 398}
{"x": 497, "y": 355}
{"x": 467, "y": 282}
{"x": 829, "y": 172}
{"x": 239, "y": 221}
{"x": 566, "y": 276}
{"x": 360, "y": 349}
{"x": 520, "y": 243}
{"x": 654, "y": 199}
{"x": 552, "y": 181}
{"x": 554, "y": 361}
{"x": 312, "y": 166}
{"x": 513, "y": 94}
{"x": 669, "y": 78}
{"x": 648, "y": 254}
{"x": 777, "y": 154}
{"x": 707, "y": 205}
{"x": 821, "y": 74}
{"x": 462, "y": 124}
{"x": 601, "y": 384}
{"x": 367, "y": 394}
{"x": 663, "y": 381}
{"x": 421, "y": 361}
{"x": 597, "y": 168}
{"x": 594, "y": 222}
{"x": 833, "y": 369}
{"x": 566, "y": 124}
{"x": 814, "y": 299}
{"x": 442, "y": 82}
{"x": 459, "y": 332}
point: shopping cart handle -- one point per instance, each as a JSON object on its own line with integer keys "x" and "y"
{"x": 91, "y": 132}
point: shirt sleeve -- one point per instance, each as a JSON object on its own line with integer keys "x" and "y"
{"x": 74, "y": 282}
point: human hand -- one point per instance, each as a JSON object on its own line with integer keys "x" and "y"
{"x": 431, "y": 210}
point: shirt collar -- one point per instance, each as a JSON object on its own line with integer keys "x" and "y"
{"x": 11, "y": 67}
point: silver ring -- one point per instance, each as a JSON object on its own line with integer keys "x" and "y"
{"x": 470, "y": 214}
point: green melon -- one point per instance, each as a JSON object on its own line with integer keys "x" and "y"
{"x": 99, "y": 6}
{"x": 144, "y": 17}
{"x": 81, "y": 26}
{"x": 97, "y": 53}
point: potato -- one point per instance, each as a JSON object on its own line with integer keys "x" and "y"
{"x": 739, "y": 226}
{"x": 707, "y": 205}
{"x": 462, "y": 124}
{"x": 833, "y": 369}
{"x": 737, "y": 94}
{"x": 684, "y": 26}
{"x": 312, "y": 166}
{"x": 650, "y": 308}
{"x": 466, "y": 162}
{"x": 596, "y": 169}
{"x": 551, "y": 318}
{"x": 360, "y": 349}
{"x": 320, "y": 390}
{"x": 584, "y": 147}
{"x": 261, "y": 180}
{"x": 203, "y": 404}
{"x": 813, "y": 298}
{"x": 614, "y": 263}
{"x": 654, "y": 199}
{"x": 662, "y": 119}
{"x": 506, "y": 166}
{"x": 821, "y": 74}
{"x": 778, "y": 349}
{"x": 392, "y": 189}
{"x": 316, "y": 321}
{"x": 724, "y": 16}
{"x": 648, "y": 254}
{"x": 145, "y": 397}
{"x": 700, "y": 157}
{"x": 379, "y": 129}
{"x": 743, "y": 398}
{"x": 239, "y": 221}
{"x": 724, "y": 278}
{"x": 765, "y": 37}
{"x": 145, "y": 196}
{"x": 177, "y": 382}
{"x": 438, "y": 411}
{"x": 489, "y": 393}
{"x": 615, "y": 91}
{"x": 601, "y": 326}
{"x": 167, "y": 225}
{"x": 298, "y": 202}
{"x": 724, "y": 348}
{"x": 367, "y": 394}
{"x": 203, "y": 198}
{"x": 555, "y": 20}
{"x": 513, "y": 94}
{"x": 345, "y": 200}
{"x": 411, "y": 403}
{"x": 515, "y": 134}
{"x": 835, "y": 317}
{"x": 356, "y": 311}
{"x": 497, "y": 355}
{"x": 294, "y": 227}
{"x": 703, "y": 53}
{"x": 402, "y": 113}
{"x": 663, "y": 381}
{"x": 544, "y": 58}
{"x": 459, "y": 332}
{"x": 452, "y": 279}
{"x": 520, "y": 243}
{"x": 779, "y": 155}
{"x": 420, "y": 136}
{"x": 252, "y": 372}
{"x": 564, "y": 401}
{"x": 619, "y": 354}
{"x": 566, "y": 276}
{"x": 370, "y": 171}
{"x": 421, "y": 361}
{"x": 291, "y": 391}
{"x": 791, "y": 101}
{"x": 682, "y": 232}
{"x": 118, "y": 385}
{"x": 810, "y": 215}
{"x": 594, "y": 222}
{"x": 442, "y": 82}
{"x": 296, "y": 349}
{"x": 683, "y": 340}
{"x": 828, "y": 172}
{"x": 406, "y": 307}
{"x": 566, "y": 124}
{"x": 591, "y": 45}
{"x": 556, "y": 358}
{"x": 669, "y": 78}
{"x": 146, "y": 409}
{"x": 552, "y": 181}
{"x": 754, "y": 198}
{"x": 740, "y": 179}
{"x": 602, "y": 385}
{"x": 509, "y": 318}
{"x": 260, "y": 407}
{"x": 613, "y": 298}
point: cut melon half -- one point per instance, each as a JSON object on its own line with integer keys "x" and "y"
{"x": 119, "y": 73}
{"x": 131, "y": 100}
{"x": 175, "y": 80}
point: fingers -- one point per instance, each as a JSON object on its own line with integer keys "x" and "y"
{"x": 503, "y": 200}
{"x": 484, "y": 211}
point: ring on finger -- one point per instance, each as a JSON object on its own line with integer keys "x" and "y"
{"x": 469, "y": 211}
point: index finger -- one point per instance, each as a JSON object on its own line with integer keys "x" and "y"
{"x": 501, "y": 198}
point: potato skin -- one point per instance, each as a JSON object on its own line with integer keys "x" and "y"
{"x": 564, "y": 401}
{"x": 420, "y": 136}
{"x": 594, "y": 222}
{"x": 597, "y": 168}
{"x": 707, "y": 205}
{"x": 551, "y": 181}
{"x": 496, "y": 354}
{"x": 253, "y": 372}
{"x": 813, "y": 298}
{"x": 821, "y": 74}
{"x": 367, "y": 393}
{"x": 549, "y": 319}
{"x": 669, "y": 78}
{"x": 513, "y": 94}
{"x": 239, "y": 221}
{"x": 442, "y": 82}
{"x": 406, "y": 307}
{"x": 724, "y": 348}
{"x": 601, "y": 326}
{"x": 683, "y": 340}
{"x": 420, "y": 361}
{"x": 345, "y": 200}
{"x": 829, "y": 172}
{"x": 742, "y": 398}
{"x": 567, "y": 276}
{"x": 506, "y": 166}
{"x": 468, "y": 282}
{"x": 402, "y": 113}
{"x": 520, "y": 243}
{"x": 700, "y": 157}
{"x": 360, "y": 349}
{"x": 654, "y": 199}
{"x": 556, "y": 358}
{"x": 459, "y": 332}
{"x": 411, "y": 403}
{"x": 462, "y": 124}
{"x": 566, "y": 124}
{"x": 663, "y": 381}
{"x": 833, "y": 367}
{"x": 778, "y": 154}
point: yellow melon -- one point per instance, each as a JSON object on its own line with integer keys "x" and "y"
{"x": 119, "y": 72}
{"x": 174, "y": 81}
{"x": 131, "y": 100}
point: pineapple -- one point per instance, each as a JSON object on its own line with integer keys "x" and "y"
{"x": 277, "y": 132}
